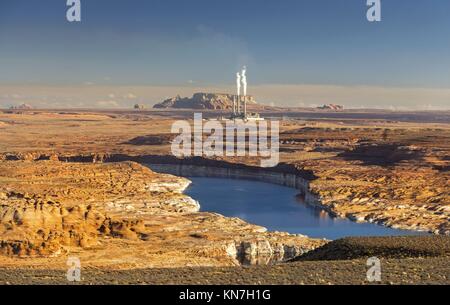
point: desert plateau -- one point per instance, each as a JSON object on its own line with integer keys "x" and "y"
{"x": 76, "y": 183}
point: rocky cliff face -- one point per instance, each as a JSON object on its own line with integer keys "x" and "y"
{"x": 47, "y": 206}
{"x": 44, "y": 229}
{"x": 212, "y": 101}
{"x": 122, "y": 215}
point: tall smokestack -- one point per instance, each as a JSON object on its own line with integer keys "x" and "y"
{"x": 244, "y": 84}
{"x": 238, "y": 86}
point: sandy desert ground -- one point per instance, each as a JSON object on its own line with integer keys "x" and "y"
{"x": 71, "y": 184}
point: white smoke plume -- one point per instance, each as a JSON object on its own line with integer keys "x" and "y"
{"x": 244, "y": 79}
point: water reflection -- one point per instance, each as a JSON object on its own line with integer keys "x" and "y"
{"x": 277, "y": 208}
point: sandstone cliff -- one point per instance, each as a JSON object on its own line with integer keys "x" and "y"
{"x": 125, "y": 215}
{"x": 212, "y": 101}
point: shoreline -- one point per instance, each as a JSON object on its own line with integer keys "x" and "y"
{"x": 285, "y": 174}
{"x": 288, "y": 180}
{"x": 138, "y": 215}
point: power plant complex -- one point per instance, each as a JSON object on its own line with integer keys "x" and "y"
{"x": 240, "y": 101}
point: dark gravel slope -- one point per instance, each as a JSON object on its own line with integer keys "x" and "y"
{"x": 381, "y": 247}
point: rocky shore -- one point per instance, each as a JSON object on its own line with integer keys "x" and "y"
{"x": 120, "y": 213}
{"x": 401, "y": 197}
{"x": 367, "y": 208}
{"x": 368, "y": 200}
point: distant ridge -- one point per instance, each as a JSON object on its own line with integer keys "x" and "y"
{"x": 21, "y": 107}
{"x": 212, "y": 101}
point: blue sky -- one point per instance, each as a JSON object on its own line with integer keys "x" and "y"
{"x": 204, "y": 42}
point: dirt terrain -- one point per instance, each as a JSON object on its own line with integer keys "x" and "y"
{"x": 397, "y": 272}
{"x": 402, "y": 261}
{"x": 395, "y": 173}
{"x": 383, "y": 247}
{"x": 122, "y": 216}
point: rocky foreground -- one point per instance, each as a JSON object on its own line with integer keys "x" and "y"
{"x": 121, "y": 215}
{"x": 403, "y": 260}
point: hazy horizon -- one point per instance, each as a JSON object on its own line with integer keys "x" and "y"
{"x": 299, "y": 53}
{"x": 116, "y": 97}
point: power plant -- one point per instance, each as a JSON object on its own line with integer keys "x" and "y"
{"x": 240, "y": 101}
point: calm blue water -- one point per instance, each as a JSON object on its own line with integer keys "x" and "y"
{"x": 277, "y": 208}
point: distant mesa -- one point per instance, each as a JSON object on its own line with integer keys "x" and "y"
{"x": 331, "y": 107}
{"x": 205, "y": 101}
{"x": 21, "y": 107}
{"x": 139, "y": 107}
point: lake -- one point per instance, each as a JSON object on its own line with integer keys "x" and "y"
{"x": 278, "y": 209}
